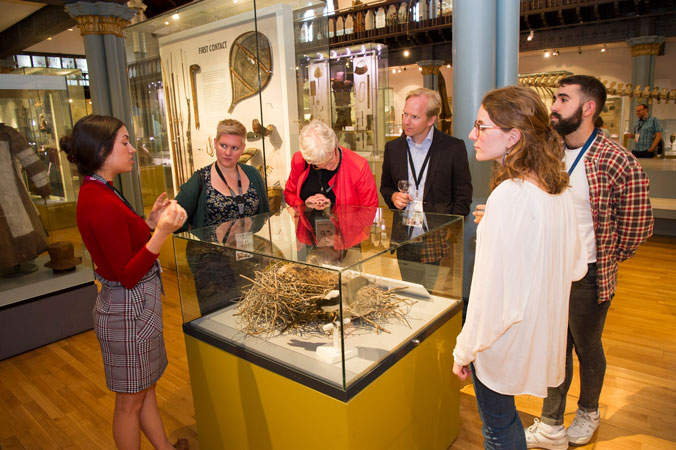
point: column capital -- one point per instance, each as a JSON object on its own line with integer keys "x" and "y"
{"x": 645, "y": 45}
{"x": 100, "y": 17}
{"x": 430, "y": 66}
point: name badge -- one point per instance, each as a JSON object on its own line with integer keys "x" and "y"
{"x": 245, "y": 242}
{"x": 636, "y": 137}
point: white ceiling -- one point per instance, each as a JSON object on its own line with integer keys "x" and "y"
{"x": 15, "y": 10}
{"x": 67, "y": 42}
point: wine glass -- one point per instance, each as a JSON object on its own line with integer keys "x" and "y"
{"x": 403, "y": 186}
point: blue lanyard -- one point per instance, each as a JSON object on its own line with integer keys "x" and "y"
{"x": 585, "y": 147}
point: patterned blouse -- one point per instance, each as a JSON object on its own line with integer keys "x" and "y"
{"x": 222, "y": 208}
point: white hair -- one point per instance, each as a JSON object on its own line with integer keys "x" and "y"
{"x": 317, "y": 142}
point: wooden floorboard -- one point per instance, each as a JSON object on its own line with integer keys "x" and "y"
{"x": 55, "y": 397}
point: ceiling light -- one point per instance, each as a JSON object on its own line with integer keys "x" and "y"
{"x": 420, "y": 68}
{"x": 406, "y": 53}
{"x": 530, "y": 36}
{"x": 448, "y": 66}
{"x": 70, "y": 29}
{"x": 547, "y": 54}
{"x": 603, "y": 49}
{"x": 555, "y": 53}
{"x": 175, "y": 16}
{"x": 49, "y": 38}
{"x": 166, "y": 22}
{"x": 399, "y": 71}
{"x": 394, "y": 70}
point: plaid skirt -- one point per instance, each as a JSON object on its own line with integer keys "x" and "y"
{"x": 128, "y": 325}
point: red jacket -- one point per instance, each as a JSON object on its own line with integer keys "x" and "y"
{"x": 353, "y": 184}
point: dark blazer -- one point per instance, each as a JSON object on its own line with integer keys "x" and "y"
{"x": 448, "y": 186}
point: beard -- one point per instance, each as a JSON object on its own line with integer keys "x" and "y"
{"x": 568, "y": 125}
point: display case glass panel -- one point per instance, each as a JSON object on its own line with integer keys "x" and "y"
{"x": 355, "y": 82}
{"x": 39, "y": 187}
{"x": 275, "y": 289}
{"x": 211, "y": 60}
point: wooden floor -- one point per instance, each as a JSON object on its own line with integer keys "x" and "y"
{"x": 55, "y": 397}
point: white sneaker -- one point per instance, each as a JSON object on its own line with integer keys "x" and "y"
{"x": 583, "y": 427}
{"x": 550, "y": 437}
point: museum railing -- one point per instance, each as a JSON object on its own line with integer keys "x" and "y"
{"x": 427, "y": 21}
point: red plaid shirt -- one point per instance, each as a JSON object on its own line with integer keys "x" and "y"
{"x": 623, "y": 218}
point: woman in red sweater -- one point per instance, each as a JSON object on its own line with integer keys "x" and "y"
{"x": 124, "y": 247}
{"x": 324, "y": 174}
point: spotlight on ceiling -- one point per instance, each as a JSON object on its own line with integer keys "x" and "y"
{"x": 530, "y": 36}
{"x": 547, "y": 54}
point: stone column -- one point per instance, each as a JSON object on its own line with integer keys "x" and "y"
{"x": 101, "y": 26}
{"x": 481, "y": 62}
{"x": 644, "y": 50}
{"x": 430, "y": 72}
{"x": 507, "y": 43}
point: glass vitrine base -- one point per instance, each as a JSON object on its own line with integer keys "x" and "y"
{"x": 410, "y": 401}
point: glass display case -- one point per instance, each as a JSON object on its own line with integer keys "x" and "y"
{"x": 211, "y": 60}
{"x": 42, "y": 255}
{"x": 39, "y": 186}
{"x": 319, "y": 296}
{"x": 355, "y": 82}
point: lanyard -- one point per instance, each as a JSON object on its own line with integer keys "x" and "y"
{"x": 100, "y": 179}
{"x": 585, "y": 147}
{"x": 417, "y": 177}
{"x": 239, "y": 200}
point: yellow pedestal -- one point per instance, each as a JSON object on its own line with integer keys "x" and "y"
{"x": 414, "y": 404}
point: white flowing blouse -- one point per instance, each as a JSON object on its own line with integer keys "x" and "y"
{"x": 527, "y": 254}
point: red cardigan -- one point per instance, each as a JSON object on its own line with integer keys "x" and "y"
{"x": 114, "y": 235}
{"x": 353, "y": 184}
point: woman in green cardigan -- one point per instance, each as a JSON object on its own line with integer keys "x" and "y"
{"x": 220, "y": 192}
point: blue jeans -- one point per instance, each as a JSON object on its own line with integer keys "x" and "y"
{"x": 586, "y": 318}
{"x": 502, "y": 428}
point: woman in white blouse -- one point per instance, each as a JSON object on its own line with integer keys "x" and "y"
{"x": 528, "y": 252}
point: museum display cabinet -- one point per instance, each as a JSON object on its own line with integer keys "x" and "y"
{"x": 211, "y": 60}
{"x": 356, "y": 81}
{"x": 307, "y": 311}
{"x": 47, "y": 287}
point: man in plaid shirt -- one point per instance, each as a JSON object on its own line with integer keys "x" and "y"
{"x": 614, "y": 217}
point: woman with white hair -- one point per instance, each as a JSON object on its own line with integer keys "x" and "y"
{"x": 324, "y": 173}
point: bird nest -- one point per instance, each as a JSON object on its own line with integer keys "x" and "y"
{"x": 289, "y": 297}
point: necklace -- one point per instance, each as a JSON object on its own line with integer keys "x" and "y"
{"x": 361, "y": 96}
{"x": 239, "y": 199}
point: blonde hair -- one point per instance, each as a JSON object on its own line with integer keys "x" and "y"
{"x": 539, "y": 150}
{"x": 433, "y": 100}
{"x": 317, "y": 142}
{"x": 231, "y": 127}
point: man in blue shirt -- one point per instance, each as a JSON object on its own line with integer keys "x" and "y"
{"x": 647, "y": 133}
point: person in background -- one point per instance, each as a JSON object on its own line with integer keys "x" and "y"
{"x": 124, "y": 248}
{"x": 647, "y": 133}
{"x": 601, "y": 125}
{"x": 614, "y": 216}
{"x": 324, "y": 173}
{"x": 222, "y": 191}
{"x": 527, "y": 254}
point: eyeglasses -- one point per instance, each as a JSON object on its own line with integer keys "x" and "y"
{"x": 478, "y": 127}
{"x": 328, "y": 163}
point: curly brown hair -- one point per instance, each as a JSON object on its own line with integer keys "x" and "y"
{"x": 539, "y": 151}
